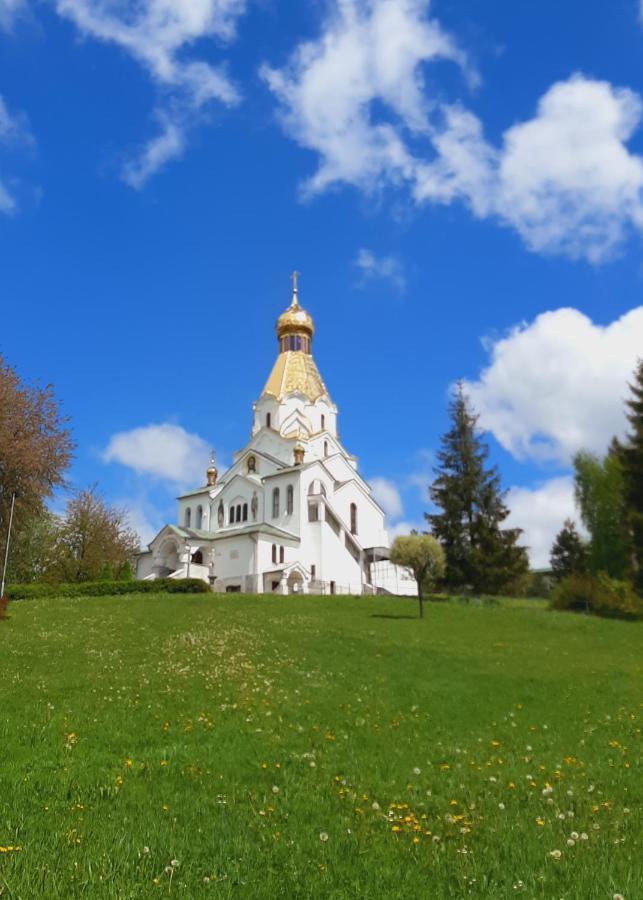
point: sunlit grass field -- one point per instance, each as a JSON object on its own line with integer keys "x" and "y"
{"x": 214, "y": 746}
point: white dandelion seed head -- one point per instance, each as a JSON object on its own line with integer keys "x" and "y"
{"x": 417, "y": 771}
{"x": 323, "y": 837}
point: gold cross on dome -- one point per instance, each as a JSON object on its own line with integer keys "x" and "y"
{"x": 293, "y": 278}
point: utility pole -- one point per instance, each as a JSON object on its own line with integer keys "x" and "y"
{"x": 6, "y": 549}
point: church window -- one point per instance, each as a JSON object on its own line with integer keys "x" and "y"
{"x": 197, "y": 557}
{"x": 333, "y": 587}
{"x": 274, "y": 553}
{"x": 232, "y": 515}
{"x": 275, "y": 503}
{"x": 313, "y": 512}
{"x": 199, "y": 517}
{"x": 238, "y": 513}
{"x": 323, "y": 422}
{"x": 353, "y": 518}
{"x": 325, "y": 448}
{"x": 188, "y": 517}
{"x": 245, "y": 512}
{"x": 281, "y": 554}
{"x": 268, "y": 420}
{"x": 290, "y": 499}
{"x": 313, "y": 571}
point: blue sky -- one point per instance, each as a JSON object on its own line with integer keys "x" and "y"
{"x": 459, "y": 183}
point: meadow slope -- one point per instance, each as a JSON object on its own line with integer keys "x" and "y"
{"x": 214, "y": 746}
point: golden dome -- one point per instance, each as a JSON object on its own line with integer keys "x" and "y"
{"x": 295, "y": 320}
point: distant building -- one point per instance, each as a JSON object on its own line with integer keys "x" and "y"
{"x": 292, "y": 514}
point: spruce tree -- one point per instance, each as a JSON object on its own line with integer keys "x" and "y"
{"x": 631, "y": 455}
{"x": 568, "y": 553}
{"x": 480, "y": 555}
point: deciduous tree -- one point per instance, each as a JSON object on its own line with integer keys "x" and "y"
{"x": 91, "y": 536}
{"x": 424, "y": 556}
{"x": 599, "y": 489}
{"x": 35, "y": 448}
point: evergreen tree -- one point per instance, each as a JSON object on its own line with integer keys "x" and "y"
{"x": 126, "y": 573}
{"x": 631, "y": 456}
{"x": 568, "y": 553}
{"x": 479, "y": 553}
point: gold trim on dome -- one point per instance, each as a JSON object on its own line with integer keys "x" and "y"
{"x": 295, "y": 320}
{"x": 295, "y": 372}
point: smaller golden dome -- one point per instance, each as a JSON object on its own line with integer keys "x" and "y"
{"x": 295, "y": 320}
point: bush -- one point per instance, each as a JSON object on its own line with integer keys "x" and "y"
{"x": 617, "y": 599}
{"x": 600, "y": 595}
{"x": 107, "y": 588}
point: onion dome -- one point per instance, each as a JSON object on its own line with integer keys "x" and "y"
{"x": 211, "y": 472}
{"x": 295, "y": 321}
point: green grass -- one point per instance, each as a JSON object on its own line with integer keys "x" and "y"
{"x": 233, "y": 734}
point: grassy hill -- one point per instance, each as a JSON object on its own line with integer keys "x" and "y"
{"x": 317, "y": 747}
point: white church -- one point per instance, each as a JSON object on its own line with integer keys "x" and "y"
{"x": 292, "y": 514}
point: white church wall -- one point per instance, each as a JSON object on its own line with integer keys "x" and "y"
{"x": 234, "y": 559}
{"x": 336, "y": 563}
{"x": 370, "y": 519}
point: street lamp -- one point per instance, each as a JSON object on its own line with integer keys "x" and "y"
{"x": 6, "y": 549}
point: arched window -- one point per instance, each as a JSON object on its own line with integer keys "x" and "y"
{"x": 232, "y": 515}
{"x": 239, "y": 513}
{"x": 199, "y": 517}
{"x": 197, "y": 557}
{"x": 323, "y": 422}
{"x": 188, "y": 517}
{"x": 353, "y": 518}
{"x": 245, "y": 512}
{"x": 274, "y": 553}
{"x": 268, "y": 420}
{"x": 290, "y": 499}
{"x": 275, "y": 503}
{"x": 281, "y": 554}
{"x": 325, "y": 448}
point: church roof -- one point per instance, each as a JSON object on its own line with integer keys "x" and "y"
{"x": 295, "y": 371}
{"x": 263, "y": 527}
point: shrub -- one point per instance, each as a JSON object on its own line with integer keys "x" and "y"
{"x": 617, "y": 599}
{"x": 107, "y": 588}
{"x": 600, "y": 595}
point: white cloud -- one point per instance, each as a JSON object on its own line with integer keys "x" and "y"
{"x": 568, "y": 183}
{"x": 13, "y": 131}
{"x": 143, "y": 518}
{"x": 388, "y": 497}
{"x": 167, "y": 145}
{"x": 159, "y": 34}
{"x": 164, "y": 451}
{"x": 401, "y": 529}
{"x": 383, "y": 268}
{"x": 557, "y": 385}
{"x": 10, "y": 12}
{"x": 370, "y": 52}
{"x": 565, "y": 179}
{"x": 541, "y": 512}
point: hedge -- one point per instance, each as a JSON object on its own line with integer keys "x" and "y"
{"x": 107, "y": 588}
